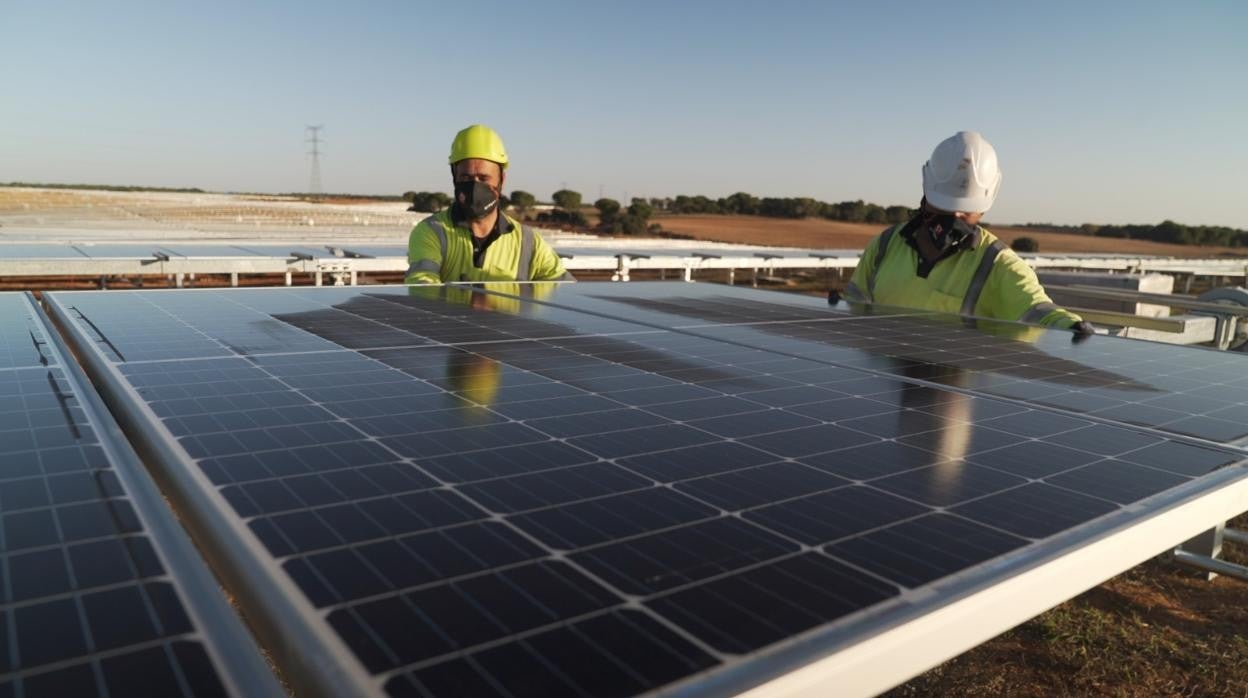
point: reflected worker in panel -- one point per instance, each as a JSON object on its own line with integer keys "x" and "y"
{"x": 943, "y": 260}
{"x": 474, "y": 240}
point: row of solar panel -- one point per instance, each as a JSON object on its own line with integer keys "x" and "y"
{"x": 100, "y": 591}
{"x": 600, "y": 491}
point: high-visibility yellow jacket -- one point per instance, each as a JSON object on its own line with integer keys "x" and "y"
{"x": 983, "y": 279}
{"x": 440, "y": 251}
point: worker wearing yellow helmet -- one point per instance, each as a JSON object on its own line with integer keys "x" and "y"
{"x": 943, "y": 260}
{"x": 474, "y": 240}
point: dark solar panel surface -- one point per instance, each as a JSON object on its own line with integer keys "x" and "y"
{"x": 88, "y": 603}
{"x": 486, "y": 495}
{"x": 1203, "y": 394}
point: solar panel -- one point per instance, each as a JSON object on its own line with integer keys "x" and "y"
{"x": 516, "y": 493}
{"x": 100, "y": 591}
{"x": 1203, "y": 395}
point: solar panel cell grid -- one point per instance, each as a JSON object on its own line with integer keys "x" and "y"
{"x": 535, "y": 493}
{"x": 88, "y": 604}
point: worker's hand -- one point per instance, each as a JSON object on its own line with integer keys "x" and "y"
{"x": 1082, "y": 329}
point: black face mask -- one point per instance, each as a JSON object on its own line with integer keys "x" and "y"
{"x": 946, "y": 229}
{"x": 475, "y": 199}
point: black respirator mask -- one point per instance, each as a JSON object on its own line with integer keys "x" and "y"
{"x": 946, "y": 229}
{"x": 475, "y": 199}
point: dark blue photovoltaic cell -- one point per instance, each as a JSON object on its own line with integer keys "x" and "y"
{"x": 604, "y": 489}
{"x": 88, "y": 605}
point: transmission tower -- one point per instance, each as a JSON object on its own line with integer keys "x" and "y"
{"x": 314, "y": 187}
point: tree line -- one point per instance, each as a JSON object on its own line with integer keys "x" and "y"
{"x": 635, "y": 218}
{"x": 746, "y": 204}
{"x": 1165, "y": 231}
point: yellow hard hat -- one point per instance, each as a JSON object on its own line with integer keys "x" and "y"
{"x": 480, "y": 142}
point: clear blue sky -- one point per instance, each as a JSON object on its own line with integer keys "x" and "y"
{"x": 1100, "y": 111}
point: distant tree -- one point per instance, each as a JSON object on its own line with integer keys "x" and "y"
{"x": 522, "y": 201}
{"x": 898, "y": 214}
{"x": 875, "y": 214}
{"x": 641, "y": 209}
{"x": 1025, "y": 244}
{"x": 567, "y": 199}
{"x": 427, "y": 201}
{"x": 1168, "y": 231}
{"x": 741, "y": 203}
{"x": 608, "y": 212}
{"x": 633, "y": 225}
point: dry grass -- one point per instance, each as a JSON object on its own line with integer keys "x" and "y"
{"x": 819, "y": 233}
{"x": 1156, "y": 630}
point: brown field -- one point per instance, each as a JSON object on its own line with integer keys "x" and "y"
{"x": 1156, "y": 630}
{"x": 819, "y": 233}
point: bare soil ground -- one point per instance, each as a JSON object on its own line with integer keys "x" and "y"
{"x": 819, "y": 233}
{"x": 1155, "y": 630}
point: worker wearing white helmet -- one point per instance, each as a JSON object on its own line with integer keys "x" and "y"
{"x": 943, "y": 260}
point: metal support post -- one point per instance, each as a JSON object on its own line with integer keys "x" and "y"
{"x": 234, "y": 278}
{"x": 317, "y": 275}
{"x": 1201, "y": 552}
{"x": 621, "y": 268}
{"x": 288, "y": 279}
{"x": 355, "y": 277}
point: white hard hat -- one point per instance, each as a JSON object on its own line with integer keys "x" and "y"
{"x": 962, "y": 174}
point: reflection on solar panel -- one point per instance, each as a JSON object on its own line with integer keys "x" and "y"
{"x": 1203, "y": 394}
{"x": 518, "y": 493}
{"x": 100, "y": 591}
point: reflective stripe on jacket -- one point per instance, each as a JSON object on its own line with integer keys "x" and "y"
{"x": 438, "y": 251}
{"x": 985, "y": 280}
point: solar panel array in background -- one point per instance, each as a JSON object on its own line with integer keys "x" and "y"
{"x": 482, "y": 494}
{"x": 88, "y": 603}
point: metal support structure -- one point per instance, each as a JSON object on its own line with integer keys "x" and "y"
{"x": 1234, "y": 535}
{"x": 288, "y": 278}
{"x": 355, "y": 277}
{"x": 234, "y": 278}
{"x": 1211, "y": 566}
{"x": 317, "y": 276}
{"x": 1202, "y": 553}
